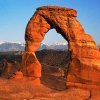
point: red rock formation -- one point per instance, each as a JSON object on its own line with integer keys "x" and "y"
{"x": 31, "y": 68}
{"x": 9, "y": 68}
{"x": 84, "y": 65}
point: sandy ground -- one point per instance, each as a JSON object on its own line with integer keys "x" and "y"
{"x": 19, "y": 90}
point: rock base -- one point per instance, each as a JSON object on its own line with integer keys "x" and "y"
{"x": 19, "y": 76}
{"x": 83, "y": 86}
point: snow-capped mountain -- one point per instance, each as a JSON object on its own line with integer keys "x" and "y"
{"x": 56, "y": 46}
{"x": 11, "y": 46}
{"x": 17, "y": 46}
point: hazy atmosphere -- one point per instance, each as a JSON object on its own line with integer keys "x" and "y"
{"x": 15, "y": 14}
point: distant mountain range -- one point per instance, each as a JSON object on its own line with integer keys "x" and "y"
{"x": 11, "y": 46}
{"x": 17, "y": 46}
{"x": 56, "y": 46}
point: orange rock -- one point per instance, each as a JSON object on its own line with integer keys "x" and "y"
{"x": 9, "y": 68}
{"x": 85, "y": 56}
{"x": 30, "y": 65}
{"x": 17, "y": 75}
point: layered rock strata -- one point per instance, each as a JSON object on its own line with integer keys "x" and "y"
{"x": 84, "y": 65}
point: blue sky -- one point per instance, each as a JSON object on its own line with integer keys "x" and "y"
{"x": 15, "y": 14}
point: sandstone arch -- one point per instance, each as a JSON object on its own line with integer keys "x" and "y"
{"x": 84, "y": 52}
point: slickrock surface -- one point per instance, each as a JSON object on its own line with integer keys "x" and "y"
{"x": 23, "y": 90}
{"x": 84, "y": 65}
{"x": 18, "y": 90}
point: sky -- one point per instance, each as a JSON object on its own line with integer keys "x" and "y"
{"x": 15, "y": 14}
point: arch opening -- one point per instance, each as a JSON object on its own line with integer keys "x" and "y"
{"x": 52, "y": 37}
{"x": 54, "y": 59}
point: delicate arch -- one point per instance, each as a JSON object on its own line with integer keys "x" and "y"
{"x": 81, "y": 45}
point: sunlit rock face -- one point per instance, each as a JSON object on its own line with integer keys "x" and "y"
{"x": 84, "y": 65}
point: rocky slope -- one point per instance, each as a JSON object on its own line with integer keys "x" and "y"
{"x": 46, "y": 57}
{"x": 52, "y": 67}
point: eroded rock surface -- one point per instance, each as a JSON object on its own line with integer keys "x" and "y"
{"x": 9, "y": 68}
{"x": 84, "y": 66}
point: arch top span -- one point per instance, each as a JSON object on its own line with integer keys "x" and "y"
{"x": 65, "y": 11}
{"x": 62, "y": 19}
